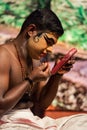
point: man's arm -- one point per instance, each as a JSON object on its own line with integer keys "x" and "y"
{"x": 47, "y": 92}
{"x": 9, "y": 96}
{"x": 46, "y": 95}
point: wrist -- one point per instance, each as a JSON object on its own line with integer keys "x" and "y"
{"x": 58, "y": 75}
{"x": 29, "y": 80}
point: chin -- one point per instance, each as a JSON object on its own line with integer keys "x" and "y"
{"x": 36, "y": 58}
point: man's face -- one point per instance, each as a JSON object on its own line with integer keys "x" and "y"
{"x": 39, "y": 45}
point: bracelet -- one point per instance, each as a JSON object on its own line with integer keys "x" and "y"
{"x": 31, "y": 85}
{"x": 29, "y": 80}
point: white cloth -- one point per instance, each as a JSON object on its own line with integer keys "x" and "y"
{"x": 25, "y": 120}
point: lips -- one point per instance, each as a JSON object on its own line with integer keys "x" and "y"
{"x": 42, "y": 54}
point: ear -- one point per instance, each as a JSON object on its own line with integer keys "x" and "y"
{"x": 31, "y": 30}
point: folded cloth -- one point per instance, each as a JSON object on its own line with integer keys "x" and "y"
{"x": 25, "y": 120}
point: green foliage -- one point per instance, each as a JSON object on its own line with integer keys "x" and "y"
{"x": 73, "y": 17}
{"x": 14, "y": 12}
{"x": 74, "y": 20}
{"x": 43, "y": 3}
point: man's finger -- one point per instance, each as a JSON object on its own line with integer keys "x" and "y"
{"x": 43, "y": 66}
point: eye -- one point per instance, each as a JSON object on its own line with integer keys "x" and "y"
{"x": 39, "y": 34}
{"x": 50, "y": 41}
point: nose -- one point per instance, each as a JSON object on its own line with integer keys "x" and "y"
{"x": 48, "y": 49}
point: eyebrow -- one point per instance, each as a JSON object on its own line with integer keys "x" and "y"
{"x": 49, "y": 41}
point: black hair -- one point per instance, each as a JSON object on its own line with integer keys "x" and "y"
{"x": 45, "y": 20}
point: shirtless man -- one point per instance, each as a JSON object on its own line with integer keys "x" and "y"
{"x": 22, "y": 85}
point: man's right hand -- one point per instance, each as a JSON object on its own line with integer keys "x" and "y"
{"x": 40, "y": 73}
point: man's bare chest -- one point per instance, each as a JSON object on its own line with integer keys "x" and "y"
{"x": 18, "y": 72}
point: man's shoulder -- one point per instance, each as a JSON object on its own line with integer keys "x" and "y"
{"x": 4, "y": 49}
{"x": 4, "y": 52}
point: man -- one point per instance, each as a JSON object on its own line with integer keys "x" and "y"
{"x": 23, "y": 82}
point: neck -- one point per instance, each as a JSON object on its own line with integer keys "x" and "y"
{"x": 21, "y": 44}
{"x": 23, "y": 58}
